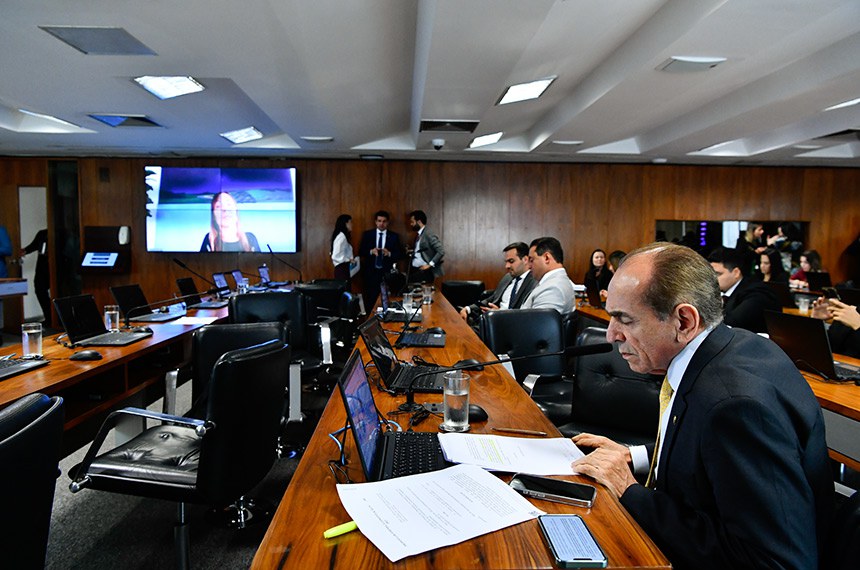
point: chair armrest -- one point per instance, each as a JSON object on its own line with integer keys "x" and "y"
{"x": 532, "y": 380}
{"x": 170, "y": 381}
{"x": 80, "y": 478}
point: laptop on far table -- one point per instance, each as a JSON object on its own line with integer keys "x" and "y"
{"x": 783, "y": 293}
{"x": 805, "y": 341}
{"x": 818, "y": 280}
{"x": 192, "y": 298}
{"x": 391, "y": 314}
{"x": 220, "y": 281}
{"x": 383, "y": 454}
{"x": 396, "y": 375}
{"x": 131, "y": 300}
{"x": 266, "y": 279}
{"x": 592, "y": 291}
{"x": 83, "y": 323}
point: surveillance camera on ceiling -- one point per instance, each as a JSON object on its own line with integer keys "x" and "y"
{"x": 438, "y": 143}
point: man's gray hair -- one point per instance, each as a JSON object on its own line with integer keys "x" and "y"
{"x": 680, "y": 275}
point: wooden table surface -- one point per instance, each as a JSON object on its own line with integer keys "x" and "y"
{"x": 311, "y": 504}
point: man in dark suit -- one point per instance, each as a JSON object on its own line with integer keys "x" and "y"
{"x": 428, "y": 251}
{"x": 744, "y": 300}
{"x": 512, "y": 289}
{"x": 379, "y": 249}
{"x": 739, "y": 475}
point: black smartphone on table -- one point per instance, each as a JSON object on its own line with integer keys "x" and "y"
{"x": 571, "y": 543}
{"x": 557, "y": 490}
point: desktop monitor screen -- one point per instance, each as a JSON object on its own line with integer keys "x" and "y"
{"x": 221, "y": 209}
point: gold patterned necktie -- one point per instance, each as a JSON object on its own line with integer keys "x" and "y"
{"x": 665, "y": 397}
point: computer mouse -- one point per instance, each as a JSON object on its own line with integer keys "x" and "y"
{"x": 469, "y": 364}
{"x": 435, "y": 330}
{"x": 89, "y": 355}
{"x": 477, "y": 414}
{"x": 141, "y": 329}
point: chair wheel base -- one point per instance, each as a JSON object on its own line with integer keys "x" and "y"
{"x": 241, "y": 514}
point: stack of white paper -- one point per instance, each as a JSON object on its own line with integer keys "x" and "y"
{"x": 551, "y": 456}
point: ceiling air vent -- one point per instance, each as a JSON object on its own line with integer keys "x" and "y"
{"x": 688, "y": 64}
{"x": 126, "y": 120}
{"x": 99, "y": 40}
{"x": 448, "y": 126}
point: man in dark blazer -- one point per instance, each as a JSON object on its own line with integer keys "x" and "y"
{"x": 379, "y": 249}
{"x": 428, "y": 252}
{"x": 739, "y": 476}
{"x": 513, "y": 287}
{"x": 744, "y": 300}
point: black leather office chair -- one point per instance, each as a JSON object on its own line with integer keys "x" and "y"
{"x": 533, "y": 331}
{"x": 611, "y": 400}
{"x": 462, "y": 293}
{"x": 214, "y": 460}
{"x": 844, "y": 546}
{"x": 30, "y": 432}
{"x": 323, "y": 297}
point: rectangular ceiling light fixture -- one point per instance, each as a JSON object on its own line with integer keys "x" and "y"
{"x": 525, "y": 91}
{"x": 844, "y": 104}
{"x": 95, "y": 40}
{"x": 484, "y": 140}
{"x": 689, "y": 63}
{"x": 167, "y": 87}
{"x": 242, "y": 135}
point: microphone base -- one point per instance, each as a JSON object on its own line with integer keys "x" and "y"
{"x": 410, "y": 407}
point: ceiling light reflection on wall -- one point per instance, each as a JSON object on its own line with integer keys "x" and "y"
{"x": 484, "y": 140}
{"x": 525, "y": 91}
{"x": 314, "y": 139}
{"x": 169, "y": 86}
{"x": 242, "y": 135}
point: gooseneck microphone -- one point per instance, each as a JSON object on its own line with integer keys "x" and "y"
{"x": 186, "y": 268}
{"x": 285, "y": 262}
{"x": 140, "y": 309}
{"x": 410, "y": 405}
{"x": 397, "y": 343}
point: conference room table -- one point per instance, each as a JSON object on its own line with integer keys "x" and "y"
{"x": 126, "y": 375}
{"x": 311, "y": 504}
{"x": 840, "y": 401}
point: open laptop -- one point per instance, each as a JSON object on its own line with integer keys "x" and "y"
{"x": 391, "y": 314}
{"x": 192, "y": 298}
{"x": 783, "y": 293}
{"x": 805, "y": 341}
{"x": 383, "y": 454}
{"x": 818, "y": 280}
{"x": 220, "y": 281}
{"x": 396, "y": 375}
{"x": 132, "y": 301}
{"x": 83, "y": 323}
{"x": 592, "y": 291}
{"x": 266, "y": 280}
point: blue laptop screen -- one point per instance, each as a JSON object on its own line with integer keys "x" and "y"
{"x": 361, "y": 412}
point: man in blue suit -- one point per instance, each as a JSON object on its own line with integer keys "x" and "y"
{"x": 739, "y": 475}
{"x": 379, "y": 249}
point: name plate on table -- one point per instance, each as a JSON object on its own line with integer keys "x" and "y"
{"x": 12, "y": 287}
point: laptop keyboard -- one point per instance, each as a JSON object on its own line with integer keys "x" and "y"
{"x": 10, "y": 367}
{"x": 423, "y": 383}
{"x": 846, "y": 371}
{"x": 418, "y": 339}
{"x": 416, "y": 452}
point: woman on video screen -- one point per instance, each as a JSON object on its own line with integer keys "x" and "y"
{"x": 225, "y": 233}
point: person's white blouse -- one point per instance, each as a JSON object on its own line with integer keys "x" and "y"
{"x": 341, "y": 250}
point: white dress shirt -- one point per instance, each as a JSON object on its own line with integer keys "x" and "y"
{"x": 341, "y": 250}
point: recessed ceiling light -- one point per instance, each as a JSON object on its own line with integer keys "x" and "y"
{"x": 166, "y": 86}
{"x": 317, "y": 139}
{"x": 484, "y": 140}
{"x": 567, "y": 142}
{"x": 807, "y": 146}
{"x": 843, "y": 104}
{"x": 525, "y": 91}
{"x": 370, "y": 156}
{"x": 242, "y": 135}
{"x": 688, "y": 63}
{"x": 47, "y": 118}
{"x": 659, "y": 160}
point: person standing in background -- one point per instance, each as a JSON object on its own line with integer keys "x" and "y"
{"x": 5, "y": 249}
{"x": 341, "y": 247}
{"x": 428, "y": 253}
{"x": 380, "y": 248}
{"x": 42, "y": 279}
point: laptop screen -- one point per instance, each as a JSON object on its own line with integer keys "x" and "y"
{"x": 220, "y": 281}
{"x": 80, "y": 317}
{"x": 361, "y": 412}
{"x": 188, "y": 290}
{"x": 237, "y": 276}
{"x": 130, "y": 297}
{"x": 383, "y": 296}
{"x": 803, "y": 339}
{"x": 380, "y": 348}
{"x": 264, "y": 274}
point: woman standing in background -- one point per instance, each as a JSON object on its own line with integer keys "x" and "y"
{"x": 341, "y": 248}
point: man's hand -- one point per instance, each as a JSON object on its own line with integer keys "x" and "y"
{"x": 845, "y": 314}
{"x": 464, "y": 314}
{"x": 490, "y": 307}
{"x": 608, "y": 464}
{"x": 425, "y": 267}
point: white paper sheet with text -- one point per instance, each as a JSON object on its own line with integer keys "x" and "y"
{"x": 411, "y": 515}
{"x": 551, "y": 456}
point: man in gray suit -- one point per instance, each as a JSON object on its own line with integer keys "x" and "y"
{"x": 512, "y": 289}
{"x": 426, "y": 262}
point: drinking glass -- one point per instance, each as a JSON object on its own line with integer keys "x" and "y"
{"x": 455, "y": 394}
{"x": 112, "y": 318}
{"x": 31, "y": 340}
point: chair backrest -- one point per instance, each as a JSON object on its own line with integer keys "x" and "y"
{"x": 323, "y": 297}
{"x": 31, "y": 429}
{"x": 285, "y": 307}
{"x": 526, "y": 331}
{"x": 844, "y": 547}
{"x": 246, "y": 400}
{"x": 462, "y": 293}
{"x": 607, "y": 393}
{"x": 209, "y": 343}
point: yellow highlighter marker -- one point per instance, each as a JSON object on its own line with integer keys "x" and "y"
{"x": 340, "y": 529}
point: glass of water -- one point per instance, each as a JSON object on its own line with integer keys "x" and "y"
{"x": 31, "y": 340}
{"x": 407, "y": 301}
{"x": 427, "y": 291}
{"x": 242, "y": 286}
{"x": 112, "y": 318}
{"x": 455, "y": 393}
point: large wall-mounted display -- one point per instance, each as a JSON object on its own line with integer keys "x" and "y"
{"x": 221, "y": 209}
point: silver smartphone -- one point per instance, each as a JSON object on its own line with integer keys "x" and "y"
{"x": 556, "y": 490}
{"x": 571, "y": 543}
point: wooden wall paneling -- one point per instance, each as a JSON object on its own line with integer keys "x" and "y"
{"x": 469, "y": 221}
{"x": 781, "y": 190}
{"x": 629, "y": 212}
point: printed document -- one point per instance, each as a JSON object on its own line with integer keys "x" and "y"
{"x": 410, "y": 515}
{"x": 535, "y": 456}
